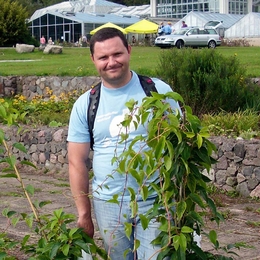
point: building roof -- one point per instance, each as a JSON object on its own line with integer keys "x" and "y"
{"x": 96, "y": 18}
{"x": 94, "y": 6}
{"x": 201, "y": 18}
{"x": 248, "y": 26}
{"x": 141, "y": 11}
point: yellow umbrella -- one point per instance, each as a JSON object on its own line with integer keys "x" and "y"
{"x": 143, "y": 26}
{"x": 108, "y": 25}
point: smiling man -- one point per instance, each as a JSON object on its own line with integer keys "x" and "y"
{"x": 110, "y": 53}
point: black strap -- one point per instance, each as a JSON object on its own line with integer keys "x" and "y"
{"x": 147, "y": 84}
{"x": 94, "y": 96}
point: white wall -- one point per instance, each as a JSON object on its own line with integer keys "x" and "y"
{"x": 248, "y": 26}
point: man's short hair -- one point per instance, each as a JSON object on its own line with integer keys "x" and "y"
{"x": 105, "y": 34}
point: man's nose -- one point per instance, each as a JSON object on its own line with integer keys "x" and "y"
{"x": 112, "y": 60}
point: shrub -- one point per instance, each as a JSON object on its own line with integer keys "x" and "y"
{"x": 208, "y": 81}
{"x": 241, "y": 123}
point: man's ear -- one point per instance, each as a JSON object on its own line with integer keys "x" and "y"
{"x": 129, "y": 48}
{"x": 92, "y": 57}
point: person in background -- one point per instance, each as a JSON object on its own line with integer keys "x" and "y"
{"x": 167, "y": 28}
{"x": 50, "y": 41}
{"x": 80, "y": 41}
{"x": 42, "y": 41}
{"x": 184, "y": 24}
{"x": 160, "y": 29}
{"x": 133, "y": 40}
{"x": 111, "y": 53}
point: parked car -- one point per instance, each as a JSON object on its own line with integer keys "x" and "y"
{"x": 190, "y": 37}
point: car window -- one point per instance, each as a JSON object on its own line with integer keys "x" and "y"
{"x": 193, "y": 31}
{"x": 203, "y": 32}
{"x": 179, "y": 32}
{"x": 211, "y": 31}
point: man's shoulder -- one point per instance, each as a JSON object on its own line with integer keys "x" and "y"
{"x": 161, "y": 86}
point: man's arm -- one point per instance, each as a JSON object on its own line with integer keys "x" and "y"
{"x": 79, "y": 184}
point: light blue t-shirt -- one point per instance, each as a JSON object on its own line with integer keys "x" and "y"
{"x": 106, "y": 130}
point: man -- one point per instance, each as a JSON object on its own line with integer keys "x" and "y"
{"x": 110, "y": 54}
{"x": 167, "y": 29}
{"x": 184, "y": 24}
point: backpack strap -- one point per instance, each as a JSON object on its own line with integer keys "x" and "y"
{"x": 147, "y": 84}
{"x": 94, "y": 97}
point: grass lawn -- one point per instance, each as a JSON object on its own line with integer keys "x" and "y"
{"x": 76, "y": 61}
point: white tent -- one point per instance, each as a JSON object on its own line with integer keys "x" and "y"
{"x": 248, "y": 26}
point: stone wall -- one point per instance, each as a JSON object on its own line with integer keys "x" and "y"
{"x": 238, "y": 165}
{"x": 237, "y": 169}
{"x": 32, "y": 85}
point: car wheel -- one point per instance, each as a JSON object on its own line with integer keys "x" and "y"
{"x": 212, "y": 45}
{"x": 179, "y": 44}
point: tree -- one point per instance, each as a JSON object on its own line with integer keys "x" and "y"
{"x": 13, "y": 27}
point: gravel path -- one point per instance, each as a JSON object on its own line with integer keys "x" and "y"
{"x": 242, "y": 216}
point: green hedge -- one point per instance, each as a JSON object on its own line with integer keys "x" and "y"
{"x": 208, "y": 81}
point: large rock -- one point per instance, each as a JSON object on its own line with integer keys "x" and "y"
{"x": 52, "y": 49}
{"x": 21, "y": 48}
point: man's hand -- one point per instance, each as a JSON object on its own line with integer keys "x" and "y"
{"x": 87, "y": 225}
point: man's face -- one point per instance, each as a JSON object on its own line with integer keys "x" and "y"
{"x": 111, "y": 59}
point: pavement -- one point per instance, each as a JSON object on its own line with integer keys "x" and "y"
{"x": 242, "y": 224}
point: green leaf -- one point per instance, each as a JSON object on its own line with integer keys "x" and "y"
{"x": 183, "y": 242}
{"x": 2, "y": 136}
{"x": 159, "y": 148}
{"x": 144, "y": 221}
{"x": 65, "y": 249}
{"x": 43, "y": 203}
{"x": 144, "y": 192}
{"x": 30, "y": 189}
{"x": 186, "y": 229}
{"x": 136, "y": 175}
{"x": 213, "y": 236}
{"x": 196, "y": 198}
{"x": 3, "y": 255}
{"x": 25, "y": 239}
{"x": 2, "y": 111}
{"x": 128, "y": 229}
{"x": 176, "y": 242}
{"x": 20, "y": 147}
{"x": 28, "y": 163}
{"x": 132, "y": 193}
{"x": 181, "y": 207}
{"x": 167, "y": 162}
{"x": 136, "y": 244}
{"x": 189, "y": 134}
{"x": 15, "y": 221}
{"x": 11, "y": 160}
{"x": 199, "y": 140}
{"x": 29, "y": 222}
{"x": 10, "y": 213}
{"x": 9, "y": 175}
{"x": 83, "y": 245}
{"x": 54, "y": 250}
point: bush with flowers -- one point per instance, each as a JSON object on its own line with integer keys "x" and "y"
{"x": 40, "y": 110}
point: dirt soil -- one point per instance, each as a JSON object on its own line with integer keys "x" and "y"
{"x": 242, "y": 224}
